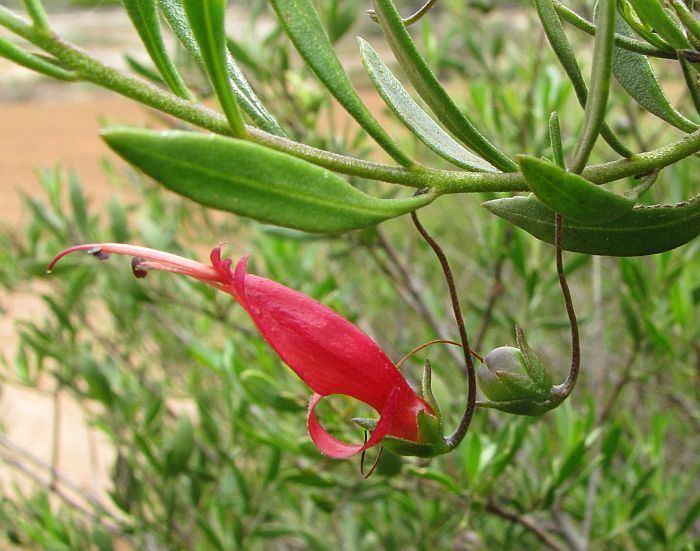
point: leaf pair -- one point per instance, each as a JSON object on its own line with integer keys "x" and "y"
{"x": 596, "y": 221}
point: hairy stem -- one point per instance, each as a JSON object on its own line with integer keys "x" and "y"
{"x": 443, "y": 181}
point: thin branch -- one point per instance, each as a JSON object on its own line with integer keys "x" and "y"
{"x": 414, "y": 287}
{"x": 496, "y": 289}
{"x": 567, "y": 529}
{"x": 68, "y": 500}
{"x": 527, "y": 523}
{"x": 623, "y": 380}
{"x": 14, "y": 449}
{"x": 457, "y": 436}
{"x": 568, "y": 385}
{"x": 411, "y": 19}
{"x": 446, "y": 181}
{"x": 56, "y": 433}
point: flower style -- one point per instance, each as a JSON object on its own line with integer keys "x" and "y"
{"x": 330, "y": 354}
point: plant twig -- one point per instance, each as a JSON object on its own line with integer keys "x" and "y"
{"x": 415, "y": 288}
{"x": 496, "y": 289}
{"x": 568, "y": 385}
{"x": 56, "y": 433}
{"x": 445, "y": 181}
{"x": 411, "y": 19}
{"x": 567, "y": 529}
{"x": 622, "y": 381}
{"x": 14, "y": 449}
{"x": 68, "y": 500}
{"x": 527, "y": 523}
{"x": 457, "y": 436}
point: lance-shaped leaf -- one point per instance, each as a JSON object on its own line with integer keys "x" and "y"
{"x": 429, "y": 88}
{"x": 642, "y": 29}
{"x": 254, "y": 181}
{"x": 571, "y": 195}
{"x": 622, "y": 41}
{"x": 692, "y": 80}
{"x": 418, "y": 121}
{"x": 303, "y": 25}
{"x": 34, "y": 62}
{"x": 601, "y": 75}
{"x": 642, "y": 231}
{"x": 206, "y": 18}
{"x": 656, "y": 16}
{"x": 144, "y": 16}
{"x": 634, "y": 73}
{"x": 565, "y": 54}
{"x": 174, "y": 13}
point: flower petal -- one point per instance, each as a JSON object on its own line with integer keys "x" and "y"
{"x": 332, "y": 447}
{"x": 326, "y": 351}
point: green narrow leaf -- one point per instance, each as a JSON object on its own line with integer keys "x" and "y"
{"x": 34, "y": 62}
{"x": 144, "y": 71}
{"x": 601, "y": 74}
{"x": 416, "y": 120}
{"x": 303, "y": 25}
{"x": 656, "y": 16}
{"x": 621, "y": 41}
{"x": 178, "y": 448}
{"x": 692, "y": 80}
{"x": 571, "y": 195}
{"x": 253, "y": 181}
{"x": 174, "y": 13}
{"x": 144, "y": 16}
{"x": 206, "y": 18}
{"x": 691, "y": 515}
{"x": 688, "y": 19}
{"x": 642, "y": 231}
{"x": 555, "y": 140}
{"x": 642, "y": 29}
{"x": 634, "y": 73}
{"x": 430, "y": 89}
{"x": 565, "y": 54}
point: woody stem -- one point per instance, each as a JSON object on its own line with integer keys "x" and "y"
{"x": 454, "y": 439}
{"x": 568, "y": 385}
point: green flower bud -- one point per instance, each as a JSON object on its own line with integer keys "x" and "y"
{"x": 516, "y": 381}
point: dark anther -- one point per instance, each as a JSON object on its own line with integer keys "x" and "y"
{"x": 136, "y": 267}
{"x": 98, "y": 253}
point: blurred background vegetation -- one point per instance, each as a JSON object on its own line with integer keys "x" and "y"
{"x": 197, "y": 430}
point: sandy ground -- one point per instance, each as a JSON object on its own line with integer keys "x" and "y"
{"x": 68, "y": 132}
{"x": 60, "y": 125}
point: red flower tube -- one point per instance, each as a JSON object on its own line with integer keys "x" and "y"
{"x": 330, "y": 354}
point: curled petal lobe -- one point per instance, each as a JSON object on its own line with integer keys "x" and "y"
{"x": 337, "y": 449}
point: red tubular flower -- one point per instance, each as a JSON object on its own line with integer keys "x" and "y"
{"x": 330, "y": 354}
